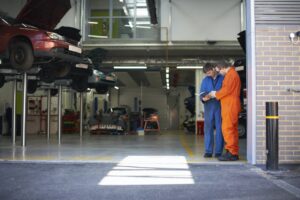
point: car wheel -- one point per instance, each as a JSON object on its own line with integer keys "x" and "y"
{"x": 32, "y": 86}
{"x": 242, "y": 130}
{"x": 21, "y": 56}
{"x": 80, "y": 84}
{"x": 102, "y": 89}
{"x": 2, "y": 80}
{"x": 46, "y": 75}
{"x": 61, "y": 70}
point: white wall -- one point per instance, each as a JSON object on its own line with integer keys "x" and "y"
{"x": 155, "y": 98}
{"x": 195, "y": 20}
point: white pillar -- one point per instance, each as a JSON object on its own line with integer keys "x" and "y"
{"x": 198, "y": 77}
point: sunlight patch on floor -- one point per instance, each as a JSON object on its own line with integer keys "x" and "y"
{"x": 149, "y": 170}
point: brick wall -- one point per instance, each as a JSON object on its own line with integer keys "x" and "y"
{"x": 278, "y": 68}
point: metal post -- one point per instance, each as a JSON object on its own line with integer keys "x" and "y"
{"x": 24, "y": 109}
{"x": 14, "y": 111}
{"x": 59, "y": 117}
{"x": 48, "y": 114}
{"x": 272, "y": 135}
{"x": 81, "y": 114}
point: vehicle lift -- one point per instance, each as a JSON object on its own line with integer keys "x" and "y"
{"x": 24, "y": 110}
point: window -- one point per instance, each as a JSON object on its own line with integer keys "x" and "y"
{"x": 119, "y": 19}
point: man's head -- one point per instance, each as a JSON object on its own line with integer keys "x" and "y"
{"x": 222, "y": 67}
{"x": 209, "y": 70}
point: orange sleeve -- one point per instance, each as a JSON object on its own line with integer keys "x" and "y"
{"x": 228, "y": 86}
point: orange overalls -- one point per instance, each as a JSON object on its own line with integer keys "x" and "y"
{"x": 229, "y": 95}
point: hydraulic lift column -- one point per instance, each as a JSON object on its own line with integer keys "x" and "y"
{"x": 24, "y": 109}
{"x": 14, "y": 111}
{"x": 81, "y": 114}
{"x": 59, "y": 117}
{"x": 48, "y": 113}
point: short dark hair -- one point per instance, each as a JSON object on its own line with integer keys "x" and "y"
{"x": 207, "y": 67}
{"x": 223, "y": 64}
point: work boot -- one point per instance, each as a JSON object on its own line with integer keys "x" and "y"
{"x": 217, "y": 155}
{"x": 207, "y": 155}
{"x": 228, "y": 157}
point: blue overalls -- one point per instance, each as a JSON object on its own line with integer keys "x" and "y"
{"x": 212, "y": 115}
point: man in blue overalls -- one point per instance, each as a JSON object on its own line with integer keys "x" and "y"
{"x": 212, "y": 111}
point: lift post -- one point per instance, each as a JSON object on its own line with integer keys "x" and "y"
{"x": 59, "y": 117}
{"x": 24, "y": 109}
{"x": 48, "y": 113}
{"x": 14, "y": 112}
{"x": 81, "y": 115}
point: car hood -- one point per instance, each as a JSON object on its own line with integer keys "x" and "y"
{"x": 45, "y": 14}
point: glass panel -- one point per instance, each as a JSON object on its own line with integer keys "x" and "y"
{"x": 99, "y": 8}
{"x": 130, "y": 20}
{"x": 98, "y": 27}
{"x": 119, "y": 8}
{"x": 122, "y": 28}
{"x": 147, "y": 32}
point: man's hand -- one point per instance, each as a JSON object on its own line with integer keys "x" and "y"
{"x": 206, "y": 98}
{"x": 212, "y": 94}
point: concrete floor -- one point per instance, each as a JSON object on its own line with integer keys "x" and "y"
{"x": 108, "y": 148}
{"x": 169, "y": 165}
{"x": 108, "y": 181}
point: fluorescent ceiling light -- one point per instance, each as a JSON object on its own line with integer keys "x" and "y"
{"x": 130, "y": 67}
{"x": 189, "y": 67}
{"x": 167, "y": 80}
{"x": 92, "y": 22}
{"x": 167, "y": 75}
{"x": 98, "y": 36}
{"x": 143, "y": 22}
{"x": 116, "y": 87}
{"x": 146, "y": 27}
{"x": 121, "y": 1}
{"x": 167, "y": 70}
{"x": 125, "y": 10}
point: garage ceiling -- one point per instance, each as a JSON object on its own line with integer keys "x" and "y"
{"x": 157, "y": 56}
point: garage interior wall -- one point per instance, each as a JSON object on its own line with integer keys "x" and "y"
{"x": 154, "y": 98}
{"x": 194, "y": 20}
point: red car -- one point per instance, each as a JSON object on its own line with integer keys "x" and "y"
{"x": 30, "y": 40}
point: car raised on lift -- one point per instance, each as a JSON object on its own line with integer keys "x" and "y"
{"x": 30, "y": 40}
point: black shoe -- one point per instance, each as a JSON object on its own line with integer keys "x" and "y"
{"x": 228, "y": 157}
{"x": 217, "y": 155}
{"x": 207, "y": 155}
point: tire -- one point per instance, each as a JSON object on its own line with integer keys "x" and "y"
{"x": 21, "y": 55}
{"x": 101, "y": 89}
{"x": 242, "y": 130}
{"x": 32, "y": 86}
{"x": 80, "y": 84}
{"x": 46, "y": 75}
{"x": 61, "y": 70}
{"x": 2, "y": 80}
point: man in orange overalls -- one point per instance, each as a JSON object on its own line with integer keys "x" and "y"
{"x": 229, "y": 95}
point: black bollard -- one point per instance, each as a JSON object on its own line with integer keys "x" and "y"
{"x": 272, "y": 135}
